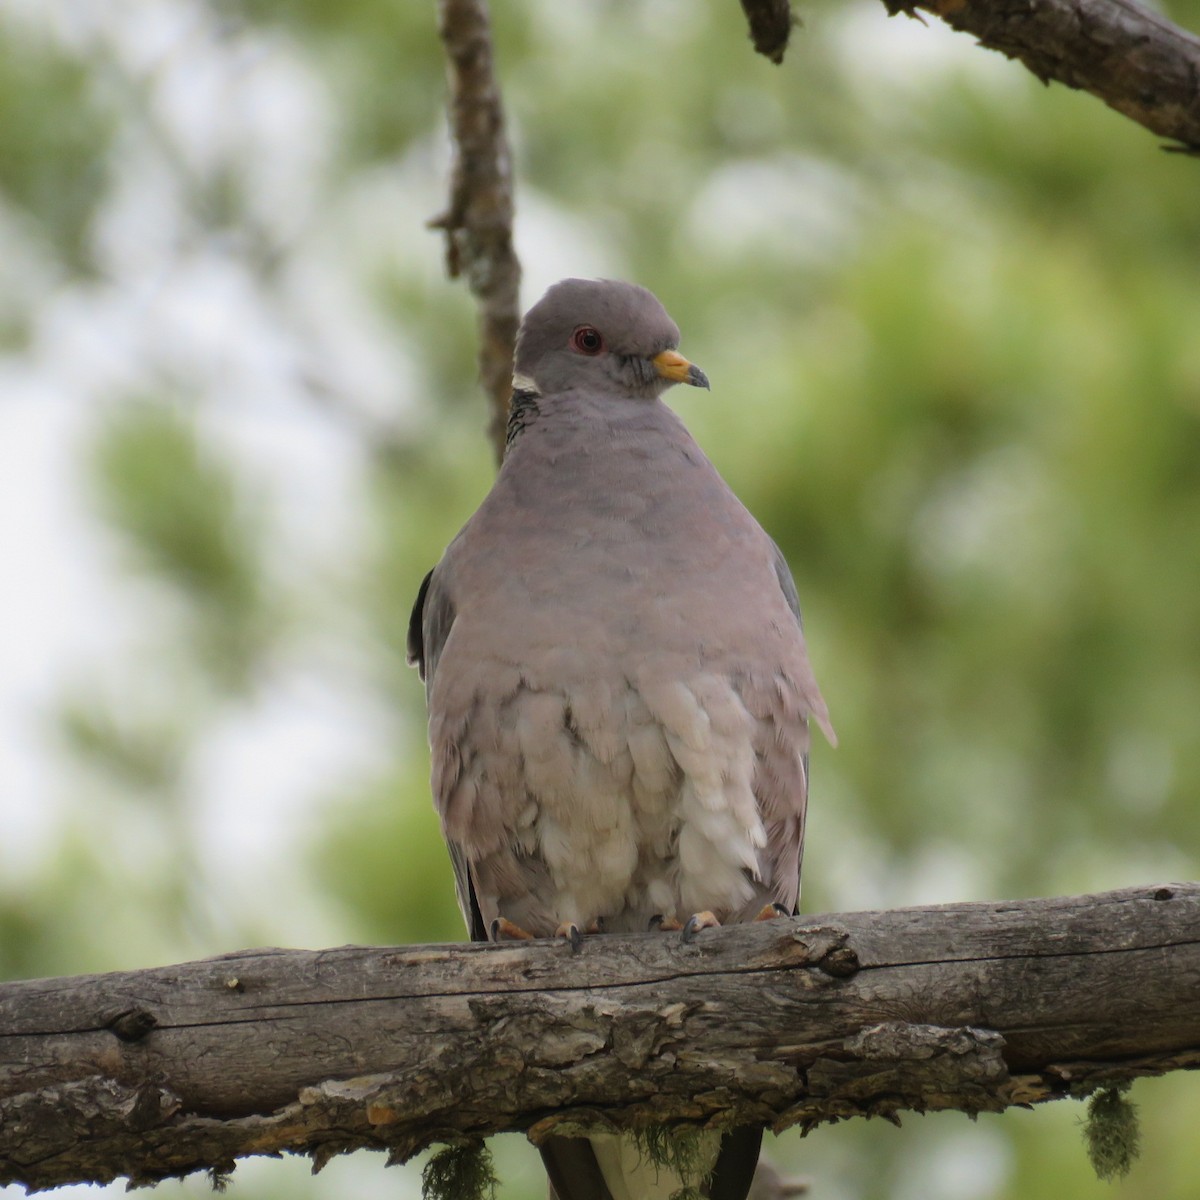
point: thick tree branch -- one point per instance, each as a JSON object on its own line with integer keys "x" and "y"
{"x": 973, "y": 1006}
{"x": 479, "y": 219}
{"x": 1133, "y": 59}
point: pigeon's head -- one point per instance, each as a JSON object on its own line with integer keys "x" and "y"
{"x": 604, "y": 336}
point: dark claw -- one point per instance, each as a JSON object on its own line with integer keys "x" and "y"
{"x": 771, "y": 912}
{"x": 697, "y": 922}
{"x": 570, "y": 931}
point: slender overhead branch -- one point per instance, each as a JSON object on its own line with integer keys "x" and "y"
{"x": 1133, "y": 59}
{"x": 975, "y": 1007}
{"x": 479, "y": 220}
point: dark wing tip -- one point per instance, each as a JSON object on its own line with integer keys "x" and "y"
{"x": 734, "y": 1170}
{"x": 415, "y": 642}
{"x": 787, "y": 585}
{"x": 573, "y": 1170}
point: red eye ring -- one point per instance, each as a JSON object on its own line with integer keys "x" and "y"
{"x": 587, "y": 340}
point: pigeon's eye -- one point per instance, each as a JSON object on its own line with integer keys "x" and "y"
{"x": 587, "y": 340}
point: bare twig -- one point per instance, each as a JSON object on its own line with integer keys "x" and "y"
{"x": 788, "y": 1022}
{"x": 1134, "y": 60}
{"x": 771, "y": 24}
{"x": 479, "y": 219}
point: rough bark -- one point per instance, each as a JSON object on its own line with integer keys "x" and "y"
{"x": 1133, "y": 59}
{"x": 479, "y": 220}
{"x": 790, "y": 1022}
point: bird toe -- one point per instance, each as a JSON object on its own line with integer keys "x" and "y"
{"x": 697, "y": 922}
{"x": 771, "y": 911}
{"x": 570, "y": 931}
{"x": 504, "y": 930}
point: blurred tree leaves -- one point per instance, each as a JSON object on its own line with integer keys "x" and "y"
{"x": 188, "y": 522}
{"x": 370, "y": 862}
{"x": 55, "y": 138}
{"x": 144, "y": 757}
{"x": 388, "y": 98}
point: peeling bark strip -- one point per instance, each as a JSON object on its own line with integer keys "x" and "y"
{"x": 975, "y": 1007}
{"x": 1134, "y": 60}
{"x": 771, "y": 24}
{"x": 479, "y": 220}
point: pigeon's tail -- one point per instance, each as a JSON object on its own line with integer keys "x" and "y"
{"x": 611, "y": 1167}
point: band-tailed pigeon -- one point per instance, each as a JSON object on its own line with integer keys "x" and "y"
{"x": 618, "y": 687}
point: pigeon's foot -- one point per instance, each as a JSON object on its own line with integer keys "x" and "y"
{"x": 697, "y": 922}
{"x": 503, "y": 930}
{"x": 570, "y": 931}
{"x": 771, "y": 911}
{"x": 659, "y": 924}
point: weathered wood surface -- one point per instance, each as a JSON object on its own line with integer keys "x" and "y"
{"x": 971, "y": 1006}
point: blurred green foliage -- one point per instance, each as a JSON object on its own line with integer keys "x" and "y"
{"x": 184, "y": 518}
{"x": 950, "y": 318}
{"x": 55, "y": 138}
